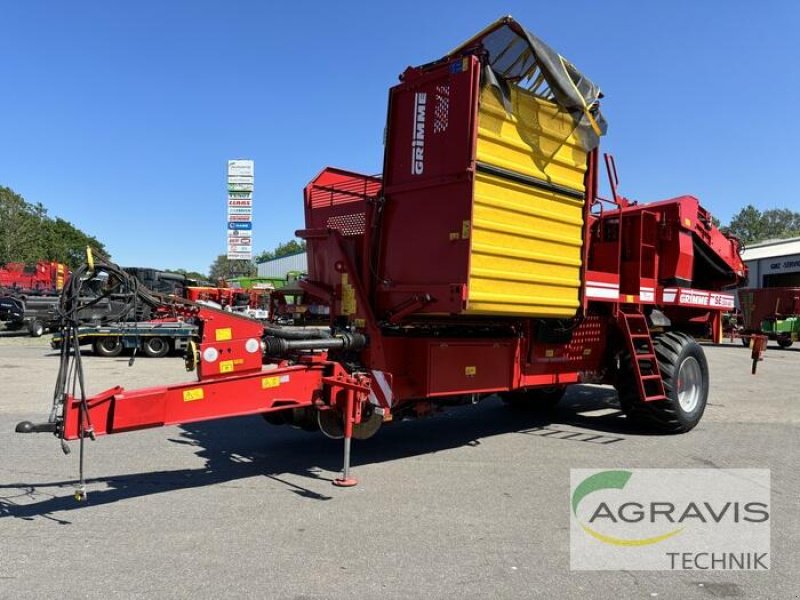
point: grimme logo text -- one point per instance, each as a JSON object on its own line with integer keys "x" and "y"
{"x": 418, "y": 137}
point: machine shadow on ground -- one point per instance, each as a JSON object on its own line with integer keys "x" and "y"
{"x": 245, "y": 447}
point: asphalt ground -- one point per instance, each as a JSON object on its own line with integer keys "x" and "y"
{"x": 471, "y": 503}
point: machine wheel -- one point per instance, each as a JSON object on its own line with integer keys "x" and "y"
{"x": 36, "y": 328}
{"x": 537, "y": 399}
{"x": 684, "y": 371}
{"x": 330, "y": 423}
{"x": 155, "y": 347}
{"x": 108, "y": 346}
{"x": 784, "y": 341}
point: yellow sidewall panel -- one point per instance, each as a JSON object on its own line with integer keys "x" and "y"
{"x": 526, "y": 241}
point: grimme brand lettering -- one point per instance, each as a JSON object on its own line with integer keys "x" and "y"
{"x": 418, "y": 135}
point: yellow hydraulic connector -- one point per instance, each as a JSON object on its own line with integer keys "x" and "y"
{"x": 90, "y": 259}
{"x": 192, "y": 356}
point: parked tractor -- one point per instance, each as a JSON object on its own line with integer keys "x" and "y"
{"x": 773, "y": 312}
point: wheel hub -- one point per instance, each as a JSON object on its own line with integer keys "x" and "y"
{"x": 690, "y": 382}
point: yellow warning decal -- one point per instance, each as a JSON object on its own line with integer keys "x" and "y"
{"x": 687, "y": 223}
{"x": 465, "y": 229}
{"x": 192, "y": 395}
{"x": 549, "y": 353}
{"x": 470, "y": 371}
{"x": 223, "y": 334}
{"x": 226, "y": 366}
{"x": 270, "y": 382}
{"x": 348, "y": 296}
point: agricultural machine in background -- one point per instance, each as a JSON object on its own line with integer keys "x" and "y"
{"x": 773, "y": 312}
{"x": 482, "y": 261}
{"x": 29, "y": 294}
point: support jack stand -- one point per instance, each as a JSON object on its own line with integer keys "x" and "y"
{"x": 345, "y": 480}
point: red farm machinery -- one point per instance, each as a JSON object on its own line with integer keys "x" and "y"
{"x": 482, "y": 261}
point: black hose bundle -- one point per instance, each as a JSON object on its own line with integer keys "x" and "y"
{"x": 88, "y": 285}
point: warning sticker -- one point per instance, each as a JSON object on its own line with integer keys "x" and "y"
{"x": 192, "y": 395}
{"x": 270, "y": 382}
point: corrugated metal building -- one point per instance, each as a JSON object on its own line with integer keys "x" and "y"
{"x": 279, "y": 267}
{"x": 774, "y": 263}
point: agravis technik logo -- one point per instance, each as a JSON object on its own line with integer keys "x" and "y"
{"x": 705, "y": 519}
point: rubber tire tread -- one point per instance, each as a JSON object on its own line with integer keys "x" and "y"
{"x": 101, "y": 351}
{"x": 36, "y": 329}
{"x": 158, "y": 354}
{"x": 664, "y": 416}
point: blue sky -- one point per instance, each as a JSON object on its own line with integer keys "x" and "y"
{"x": 119, "y": 117}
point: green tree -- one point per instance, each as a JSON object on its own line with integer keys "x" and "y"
{"x": 28, "y": 234}
{"x": 20, "y": 236}
{"x": 751, "y": 225}
{"x": 66, "y": 243}
{"x": 223, "y": 268}
{"x": 284, "y": 249}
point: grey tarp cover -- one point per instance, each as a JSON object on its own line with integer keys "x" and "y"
{"x": 516, "y": 56}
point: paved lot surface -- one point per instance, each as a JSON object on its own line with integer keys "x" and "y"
{"x": 469, "y": 504}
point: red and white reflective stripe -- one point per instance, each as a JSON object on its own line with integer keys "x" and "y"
{"x": 380, "y": 393}
{"x": 647, "y": 294}
{"x": 600, "y": 289}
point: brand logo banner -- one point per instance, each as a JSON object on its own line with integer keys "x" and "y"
{"x": 240, "y": 167}
{"x": 670, "y": 519}
{"x": 240, "y": 225}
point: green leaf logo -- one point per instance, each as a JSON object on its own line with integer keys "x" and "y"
{"x": 616, "y": 480}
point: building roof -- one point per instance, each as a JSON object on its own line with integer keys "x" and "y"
{"x": 771, "y": 248}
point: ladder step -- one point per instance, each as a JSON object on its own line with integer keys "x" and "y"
{"x": 645, "y": 363}
{"x": 653, "y": 398}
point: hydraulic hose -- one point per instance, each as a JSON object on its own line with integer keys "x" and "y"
{"x": 277, "y": 346}
{"x": 296, "y": 333}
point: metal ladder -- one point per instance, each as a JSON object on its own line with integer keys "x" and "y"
{"x": 643, "y": 354}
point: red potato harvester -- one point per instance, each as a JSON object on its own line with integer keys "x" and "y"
{"x": 482, "y": 261}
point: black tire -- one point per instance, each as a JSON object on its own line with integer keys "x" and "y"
{"x": 537, "y": 399}
{"x": 155, "y": 346}
{"x": 36, "y": 328}
{"x": 108, "y": 346}
{"x": 679, "y": 356}
{"x": 784, "y": 341}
